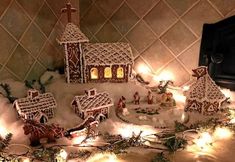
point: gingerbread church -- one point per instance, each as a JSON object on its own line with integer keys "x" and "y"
{"x": 93, "y": 62}
{"x": 204, "y": 96}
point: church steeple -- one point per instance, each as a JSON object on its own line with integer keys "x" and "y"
{"x": 69, "y": 11}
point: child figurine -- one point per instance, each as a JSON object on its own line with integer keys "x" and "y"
{"x": 150, "y": 97}
{"x": 136, "y": 98}
{"x": 121, "y": 104}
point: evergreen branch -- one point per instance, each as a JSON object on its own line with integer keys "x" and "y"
{"x": 7, "y": 89}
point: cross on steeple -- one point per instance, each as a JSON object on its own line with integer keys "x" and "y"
{"x": 69, "y": 11}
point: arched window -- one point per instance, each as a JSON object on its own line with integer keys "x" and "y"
{"x": 94, "y": 73}
{"x": 107, "y": 72}
{"x": 120, "y": 72}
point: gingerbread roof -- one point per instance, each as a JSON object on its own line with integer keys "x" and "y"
{"x": 98, "y": 101}
{"x": 107, "y": 53}
{"x": 205, "y": 89}
{"x": 41, "y": 102}
{"x": 72, "y": 34}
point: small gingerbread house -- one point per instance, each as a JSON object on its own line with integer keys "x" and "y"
{"x": 94, "y": 62}
{"x": 204, "y": 96}
{"x": 36, "y": 106}
{"x": 92, "y": 104}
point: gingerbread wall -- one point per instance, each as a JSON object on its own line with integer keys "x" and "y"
{"x": 164, "y": 34}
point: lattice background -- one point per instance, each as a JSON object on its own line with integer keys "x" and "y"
{"x": 28, "y": 32}
{"x": 164, "y": 34}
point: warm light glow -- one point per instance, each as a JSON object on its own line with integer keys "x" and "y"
{"x": 164, "y": 76}
{"x": 108, "y": 72}
{"x": 204, "y": 140}
{"x": 104, "y": 157}
{"x": 183, "y": 118}
{"x": 3, "y": 130}
{"x": 185, "y": 88}
{"x": 127, "y": 130}
{"x": 227, "y": 92}
{"x": 143, "y": 69}
{"x": 26, "y": 160}
{"x": 63, "y": 154}
{"x": 232, "y": 121}
{"x": 94, "y": 73}
{"x": 178, "y": 96}
{"x": 232, "y": 116}
{"x": 120, "y": 72}
{"x": 78, "y": 140}
{"x": 222, "y": 133}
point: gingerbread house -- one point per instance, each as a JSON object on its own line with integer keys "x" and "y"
{"x": 204, "y": 96}
{"x": 94, "y": 62}
{"x": 36, "y": 106}
{"x": 92, "y": 104}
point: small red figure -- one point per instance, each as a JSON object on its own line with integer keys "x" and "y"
{"x": 150, "y": 97}
{"x": 121, "y": 104}
{"x": 136, "y": 98}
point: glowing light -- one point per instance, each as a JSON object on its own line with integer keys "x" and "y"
{"x": 3, "y": 130}
{"x": 232, "y": 121}
{"x": 25, "y": 159}
{"x": 226, "y": 92}
{"x": 232, "y": 116}
{"x": 164, "y": 76}
{"x": 178, "y": 96}
{"x": 127, "y": 130}
{"x": 143, "y": 69}
{"x": 185, "y": 88}
{"x": 78, "y": 140}
{"x": 63, "y": 154}
{"x": 204, "y": 140}
{"x": 104, "y": 157}
{"x": 222, "y": 133}
{"x": 184, "y": 118}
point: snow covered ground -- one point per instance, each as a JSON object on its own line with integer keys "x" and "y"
{"x": 222, "y": 151}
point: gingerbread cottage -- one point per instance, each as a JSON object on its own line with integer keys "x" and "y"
{"x": 204, "y": 96}
{"x": 36, "y": 106}
{"x": 92, "y": 104}
{"x": 93, "y": 62}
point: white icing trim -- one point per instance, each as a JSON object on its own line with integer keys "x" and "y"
{"x": 67, "y": 63}
{"x": 81, "y": 62}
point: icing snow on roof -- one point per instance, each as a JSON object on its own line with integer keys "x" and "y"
{"x": 205, "y": 89}
{"x": 97, "y": 101}
{"x": 107, "y": 53}
{"x": 72, "y": 34}
{"x": 41, "y": 102}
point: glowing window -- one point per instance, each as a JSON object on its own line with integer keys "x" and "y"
{"x": 120, "y": 72}
{"x": 94, "y": 73}
{"x": 107, "y": 72}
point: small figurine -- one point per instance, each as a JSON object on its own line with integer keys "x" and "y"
{"x": 88, "y": 127}
{"x": 150, "y": 97}
{"x": 39, "y": 131}
{"x": 136, "y": 98}
{"x": 167, "y": 99}
{"x": 121, "y": 104}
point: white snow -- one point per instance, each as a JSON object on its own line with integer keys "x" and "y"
{"x": 64, "y": 115}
